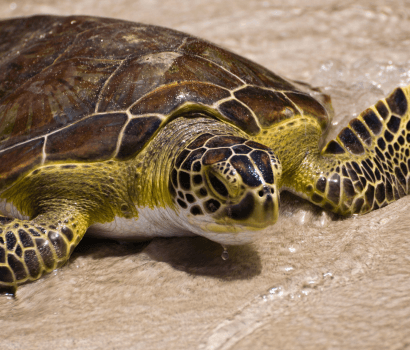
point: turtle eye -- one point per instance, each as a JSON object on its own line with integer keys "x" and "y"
{"x": 217, "y": 185}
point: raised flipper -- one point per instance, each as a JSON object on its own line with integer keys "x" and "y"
{"x": 367, "y": 166}
{"x": 28, "y": 249}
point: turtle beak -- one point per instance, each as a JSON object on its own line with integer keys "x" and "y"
{"x": 243, "y": 222}
{"x": 256, "y": 210}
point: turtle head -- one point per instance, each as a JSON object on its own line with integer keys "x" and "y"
{"x": 226, "y": 188}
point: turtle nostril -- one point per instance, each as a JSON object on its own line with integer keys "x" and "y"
{"x": 217, "y": 185}
{"x": 265, "y": 190}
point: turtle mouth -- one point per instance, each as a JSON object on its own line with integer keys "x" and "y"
{"x": 243, "y": 222}
{"x": 243, "y": 210}
{"x": 257, "y": 209}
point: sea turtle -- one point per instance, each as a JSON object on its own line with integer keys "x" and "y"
{"x": 132, "y": 131}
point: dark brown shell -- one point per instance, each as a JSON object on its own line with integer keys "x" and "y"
{"x": 71, "y": 87}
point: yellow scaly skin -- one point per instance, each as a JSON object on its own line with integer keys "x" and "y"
{"x": 63, "y": 200}
{"x": 296, "y": 143}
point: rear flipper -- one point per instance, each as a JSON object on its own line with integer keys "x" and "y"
{"x": 368, "y": 165}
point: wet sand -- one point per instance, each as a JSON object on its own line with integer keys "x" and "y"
{"x": 316, "y": 281}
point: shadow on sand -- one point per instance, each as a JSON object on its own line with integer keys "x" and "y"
{"x": 194, "y": 255}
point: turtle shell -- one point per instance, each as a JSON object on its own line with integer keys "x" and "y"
{"x": 90, "y": 89}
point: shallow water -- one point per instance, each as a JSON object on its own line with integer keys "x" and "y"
{"x": 317, "y": 281}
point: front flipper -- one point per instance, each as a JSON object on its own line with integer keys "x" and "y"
{"x": 368, "y": 165}
{"x": 30, "y": 248}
